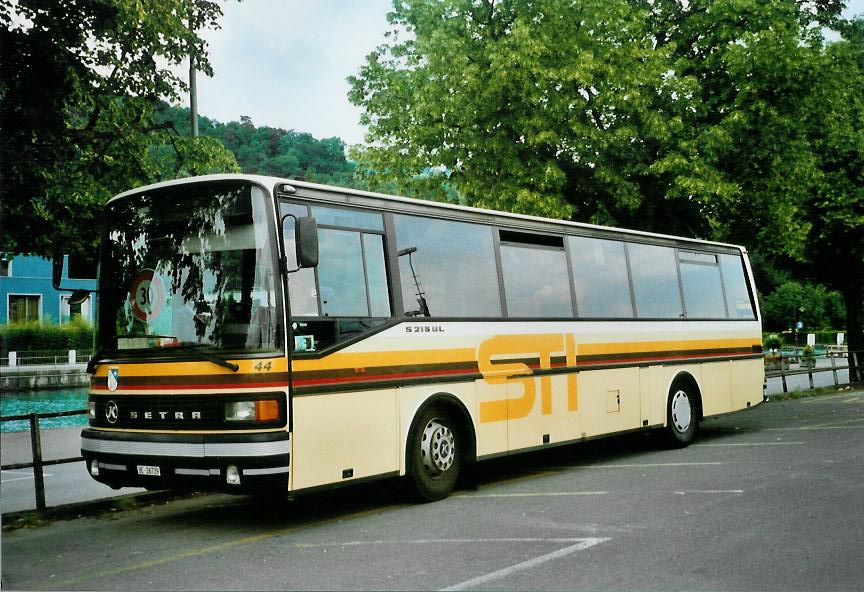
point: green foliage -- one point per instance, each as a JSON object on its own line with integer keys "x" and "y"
{"x": 270, "y": 151}
{"x": 31, "y": 336}
{"x": 725, "y": 119}
{"x": 822, "y": 308}
{"x": 773, "y": 342}
{"x": 79, "y": 83}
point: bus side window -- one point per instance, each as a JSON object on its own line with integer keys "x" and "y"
{"x": 655, "y": 281}
{"x": 700, "y": 280}
{"x": 447, "y": 268}
{"x": 600, "y": 277}
{"x": 347, "y": 294}
{"x": 352, "y": 275}
{"x": 301, "y": 284}
{"x": 536, "y": 279}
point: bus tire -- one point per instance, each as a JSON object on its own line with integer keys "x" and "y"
{"x": 682, "y": 414}
{"x": 435, "y": 450}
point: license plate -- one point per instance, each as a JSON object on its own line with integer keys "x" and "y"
{"x": 147, "y": 470}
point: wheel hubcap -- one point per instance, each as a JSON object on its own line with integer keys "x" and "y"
{"x": 438, "y": 447}
{"x": 681, "y": 411}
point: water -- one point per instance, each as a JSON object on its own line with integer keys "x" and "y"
{"x": 47, "y": 401}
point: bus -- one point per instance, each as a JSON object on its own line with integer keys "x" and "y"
{"x": 262, "y": 334}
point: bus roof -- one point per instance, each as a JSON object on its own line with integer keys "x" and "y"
{"x": 270, "y": 182}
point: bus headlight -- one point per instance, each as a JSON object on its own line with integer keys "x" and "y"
{"x": 265, "y": 410}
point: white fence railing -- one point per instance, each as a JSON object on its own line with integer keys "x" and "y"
{"x": 14, "y": 359}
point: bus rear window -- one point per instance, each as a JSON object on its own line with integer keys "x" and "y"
{"x": 738, "y": 302}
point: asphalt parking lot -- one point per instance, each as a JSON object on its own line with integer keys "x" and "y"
{"x": 768, "y": 499}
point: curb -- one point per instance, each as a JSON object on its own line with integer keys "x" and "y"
{"x": 24, "y": 518}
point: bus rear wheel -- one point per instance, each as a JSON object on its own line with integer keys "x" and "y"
{"x": 682, "y": 417}
{"x": 434, "y": 455}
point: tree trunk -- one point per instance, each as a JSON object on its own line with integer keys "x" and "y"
{"x": 854, "y": 298}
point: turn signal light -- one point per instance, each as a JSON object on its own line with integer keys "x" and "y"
{"x": 263, "y": 410}
{"x": 266, "y": 410}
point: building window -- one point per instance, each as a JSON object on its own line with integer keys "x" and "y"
{"x": 24, "y": 307}
{"x": 70, "y": 311}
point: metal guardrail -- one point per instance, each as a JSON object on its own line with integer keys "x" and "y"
{"x": 36, "y": 447}
{"x": 811, "y": 370}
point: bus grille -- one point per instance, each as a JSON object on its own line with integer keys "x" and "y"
{"x": 177, "y": 412}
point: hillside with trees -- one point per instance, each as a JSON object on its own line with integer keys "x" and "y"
{"x": 270, "y": 151}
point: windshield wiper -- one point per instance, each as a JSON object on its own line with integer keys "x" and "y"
{"x": 207, "y": 357}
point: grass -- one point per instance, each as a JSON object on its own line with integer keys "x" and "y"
{"x": 95, "y": 508}
{"x": 817, "y": 392}
{"x": 27, "y": 520}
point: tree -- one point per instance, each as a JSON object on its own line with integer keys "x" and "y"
{"x": 835, "y": 209}
{"x": 782, "y": 308}
{"x": 538, "y": 107}
{"x": 797, "y": 117}
{"x": 79, "y": 83}
{"x": 705, "y": 118}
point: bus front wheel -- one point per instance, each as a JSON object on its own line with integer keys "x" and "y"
{"x": 434, "y": 455}
{"x": 682, "y": 417}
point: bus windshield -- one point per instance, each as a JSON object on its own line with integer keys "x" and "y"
{"x": 189, "y": 265}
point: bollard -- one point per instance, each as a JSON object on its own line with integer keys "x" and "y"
{"x": 13, "y": 359}
{"x": 36, "y": 446}
{"x": 857, "y": 369}
{"x": 72, "y": 356}
{"x": 810, "y": 376}
{"x": 834, "y": 371}
{"x": 783, "y": 377}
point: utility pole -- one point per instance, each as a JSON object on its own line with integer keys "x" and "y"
{"x": 193, "y": 86}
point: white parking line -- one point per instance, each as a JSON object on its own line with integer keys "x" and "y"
{"x": 441, "y": 541}
{"x": 503, "y": 573}
{"x": 710, "y": 491}
{"x": 647, "y": 465}
{"x": 26, "y": 477}
{"x": 748, "y": 444}
{"x": 531, "y": 494}
{"x": 814, "y": 428}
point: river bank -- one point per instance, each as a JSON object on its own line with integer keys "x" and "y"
{"x": 15, "y": 378}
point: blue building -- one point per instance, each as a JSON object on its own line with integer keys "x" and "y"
{"x": 26, "y": 293}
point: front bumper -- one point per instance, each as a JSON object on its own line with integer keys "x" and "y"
{"x": 189, "y": 461}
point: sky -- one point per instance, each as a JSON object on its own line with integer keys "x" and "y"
{"x": 284, "y": 63}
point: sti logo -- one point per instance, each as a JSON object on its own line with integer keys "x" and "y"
{"x": 495, "y": 360}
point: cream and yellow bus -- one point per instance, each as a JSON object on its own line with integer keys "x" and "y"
{"x": 259, "y": 334}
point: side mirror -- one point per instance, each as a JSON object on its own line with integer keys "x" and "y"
{"x": 79, "y": 268}
{"x": 78, "y": 297}
{"x": 306, "y": 242}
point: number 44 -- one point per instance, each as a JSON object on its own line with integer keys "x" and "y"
{"x": 260, "y": 366}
